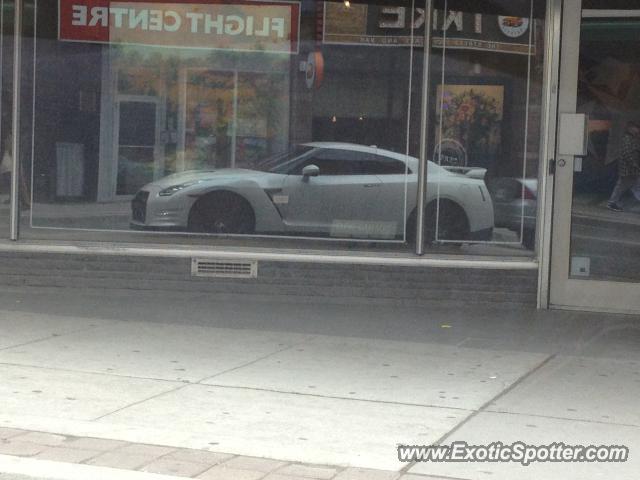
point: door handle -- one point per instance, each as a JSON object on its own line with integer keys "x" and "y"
{"x": 554, "y": 164}
{"x": 371, "y": 185}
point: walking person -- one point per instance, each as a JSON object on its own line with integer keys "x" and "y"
{"x": 628, "y": 166}
{"x": 6, "y": 165}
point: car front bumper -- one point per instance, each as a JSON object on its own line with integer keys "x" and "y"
{"x": 152, "y": 212}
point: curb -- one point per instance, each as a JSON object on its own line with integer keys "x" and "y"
{"x": 70, "y": 471}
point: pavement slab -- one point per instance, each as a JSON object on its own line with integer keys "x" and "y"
{"x": 54, "y": 394}
{"x": 291, "y": 427}
{"x": 31, "y": 468}
{"x": 264, "y": 465}
{"x": 6, "y": 433}
{"x": 580, "y": 388}
{"x": 366, "y": 474}
{"x": 508, "y": 428}
{"x": 68, "y": 455}
{"x": 18, "y": 328}
{"x": 198, "y": 456}
{"x": 308, "y": 471}
{"x": 48, "y": 439}
{"x": 152, "y": 350}
{"x": 277, "y": 476}
{"x": 23, "y": 449}
{"x": 116, "y": 459}
{"x": 403, "y": 372}
{"x": 180, "y": 468}
{"x": 97, "y": 444}
{"x": 221, "y": 472}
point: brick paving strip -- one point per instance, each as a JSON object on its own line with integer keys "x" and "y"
{"x": 179, "y": 462}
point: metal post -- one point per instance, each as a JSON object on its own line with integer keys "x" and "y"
{"x": 424, "y": 128}
{"x": 234, "y": 122}
{"x": 553, "y": 25}
{"x": 15, "y": 135}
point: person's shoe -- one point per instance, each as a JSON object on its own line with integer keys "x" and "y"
{"x": 614, "y": 207}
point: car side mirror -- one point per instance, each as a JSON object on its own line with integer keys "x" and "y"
{"x": 310, "y": 171}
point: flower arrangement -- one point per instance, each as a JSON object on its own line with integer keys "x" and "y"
{"x": 472, "y": 115}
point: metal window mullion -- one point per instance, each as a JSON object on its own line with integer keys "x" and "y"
{"x": 234, "y": 122}
{"x": 424, "y": 128}
{"x": 15, "y": 133}
{"x": 544, "y": 227}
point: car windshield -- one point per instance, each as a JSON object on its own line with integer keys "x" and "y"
{"x": 282, "y": 162}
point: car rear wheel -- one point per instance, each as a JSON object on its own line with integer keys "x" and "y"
{"x": 222, "y": 212}
{"x": 453, "y": 224}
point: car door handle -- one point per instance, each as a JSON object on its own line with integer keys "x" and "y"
{"x": 371, "y": 185}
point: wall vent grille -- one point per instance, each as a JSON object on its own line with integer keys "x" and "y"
{"x": 224, "y": 268}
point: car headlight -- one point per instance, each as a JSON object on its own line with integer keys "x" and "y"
{"x": 167, "y": 192}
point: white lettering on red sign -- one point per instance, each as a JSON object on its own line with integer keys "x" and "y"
{"x": 171, "y": 21}
{"x": 264, "y": 26}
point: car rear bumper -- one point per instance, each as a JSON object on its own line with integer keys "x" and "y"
{"x": 513, "y": 215}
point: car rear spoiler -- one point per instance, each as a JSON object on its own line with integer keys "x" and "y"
{"x": 469, "y": 172}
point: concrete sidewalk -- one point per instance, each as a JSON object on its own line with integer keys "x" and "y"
{"x": 330, "y": 388}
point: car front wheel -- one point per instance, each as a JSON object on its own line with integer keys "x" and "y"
{"x": 223, "y": 213}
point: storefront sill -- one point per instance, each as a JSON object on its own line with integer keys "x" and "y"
{"x": 359, "y": 258}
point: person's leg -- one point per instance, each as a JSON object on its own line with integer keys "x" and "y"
{"x": 5, "y": 183}
{"x": 5, "y": 187}
{"x": 622, "y": 186}
{"x": 636, "y": 189}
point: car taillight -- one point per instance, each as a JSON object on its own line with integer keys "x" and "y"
{"x": 528, "y": 194}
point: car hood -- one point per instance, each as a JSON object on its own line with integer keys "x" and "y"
{"x": 205, "y": 175}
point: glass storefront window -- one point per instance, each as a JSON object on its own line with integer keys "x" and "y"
{"x": 190, "y": 127}
{"x": 6, "y": 82}
{"x": 284, "y": 123}
{"x": 487, "y": 96}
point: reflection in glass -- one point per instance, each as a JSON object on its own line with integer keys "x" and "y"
{"x": 606, "y": 194}
{"x": 172, "y": 132}
{"x": 138, "y": 143}
{"x": 301, "y": 119}
{"x": 6, "y": 82}
{"x": 488, "y": 94}
{"x": 5, "y": 187}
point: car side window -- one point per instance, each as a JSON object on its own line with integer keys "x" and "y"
{"x": 332, "y": 161}
{"x": 379, "y": 165}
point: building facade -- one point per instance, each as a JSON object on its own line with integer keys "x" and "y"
{"x": 435, "y": 145}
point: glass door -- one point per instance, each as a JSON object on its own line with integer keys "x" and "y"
{"x": 209, "y": 118}
{"x": 138, "y": 142}
{"x": 596, "y": 239}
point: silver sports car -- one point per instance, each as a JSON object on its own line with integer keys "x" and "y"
{"x": 337, "y": 190}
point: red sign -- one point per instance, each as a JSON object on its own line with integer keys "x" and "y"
{"x": 238, "y": 25}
